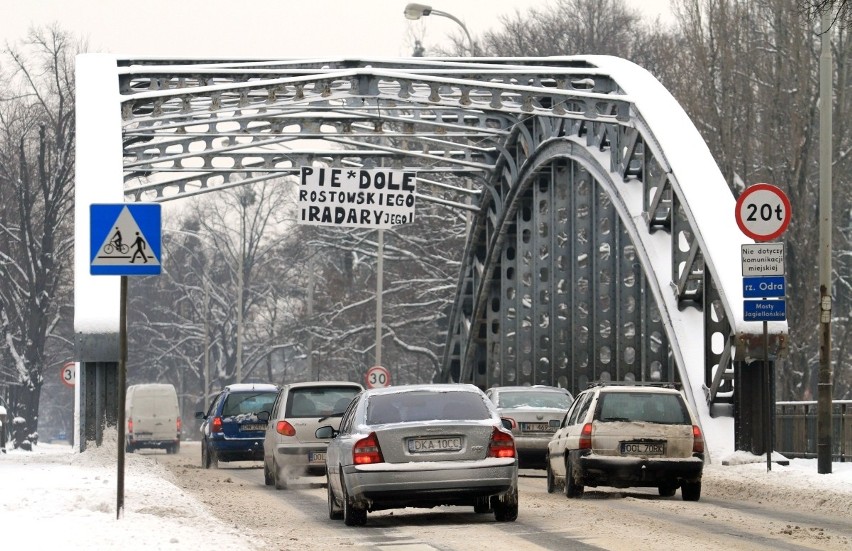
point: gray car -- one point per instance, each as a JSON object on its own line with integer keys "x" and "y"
{"x": 290, "y": 446}
{"x": 535, "y": 413}
{"x": 420, "y": 446}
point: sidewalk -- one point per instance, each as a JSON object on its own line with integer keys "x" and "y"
{"x": 54, "y": 498}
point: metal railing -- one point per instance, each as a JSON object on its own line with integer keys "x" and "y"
{"x": 796, "y": 429}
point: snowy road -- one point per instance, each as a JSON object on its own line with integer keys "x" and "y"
{"x": 737, "y": 510}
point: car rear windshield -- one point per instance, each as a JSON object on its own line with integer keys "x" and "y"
{"x": 668, "y": 409}
{"x": 241, "y": 403}
{"x": 319, "y": 402}
{"x": 533, "y": 399}
{"x": 426, "y": 406}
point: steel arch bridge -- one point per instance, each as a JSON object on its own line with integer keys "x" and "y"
{"x": 602, "y": 244}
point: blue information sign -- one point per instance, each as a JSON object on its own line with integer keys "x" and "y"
{"x": 764, "y": 287}
{"x": 765, "y": 310}
{"x": 125, "y": 239}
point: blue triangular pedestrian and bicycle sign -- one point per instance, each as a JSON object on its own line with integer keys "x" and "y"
{"x": 125, "y": 239}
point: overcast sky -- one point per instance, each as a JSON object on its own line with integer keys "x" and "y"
{"x": 269, "y": 28}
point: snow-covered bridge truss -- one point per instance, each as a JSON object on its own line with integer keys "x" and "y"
{"x": 603, "y": 244}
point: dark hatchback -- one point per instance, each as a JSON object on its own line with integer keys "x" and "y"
{"x": 231, "y": 429}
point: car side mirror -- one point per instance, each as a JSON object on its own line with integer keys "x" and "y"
{"x": 507, "y": 423}
{"x": 325, "y": 432}
{"x": 199, "y": 415}
{"x": 263, "y": 416}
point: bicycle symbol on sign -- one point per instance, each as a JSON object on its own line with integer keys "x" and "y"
{"x": 110, "y": 248}
{"x": 115, "y": 244}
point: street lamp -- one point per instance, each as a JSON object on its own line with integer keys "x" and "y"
{"x": 246, "y": 199}
{"x": 414, "y": 11}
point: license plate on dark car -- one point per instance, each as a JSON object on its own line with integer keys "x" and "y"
{"x": 643, "y": 448}
{"x": 254, "y": 427}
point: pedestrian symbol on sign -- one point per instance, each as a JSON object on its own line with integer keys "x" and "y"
{"x": 139, "y": 245}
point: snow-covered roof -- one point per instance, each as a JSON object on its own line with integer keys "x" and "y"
{"x": 249, "y": 387}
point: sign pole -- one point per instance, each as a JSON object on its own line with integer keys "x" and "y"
{"x": 122, "y": 396}
{"x": 769, "y": 401}
{"x": 380, "y": 271}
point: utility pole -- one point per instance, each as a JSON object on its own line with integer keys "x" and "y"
{"x": 824, "y": 403}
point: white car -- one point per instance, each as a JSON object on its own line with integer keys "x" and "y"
{"x": 628, "y": 436}
{"x": 290, "y": 446}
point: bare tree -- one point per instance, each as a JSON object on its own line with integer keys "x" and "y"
{"x": 747, "y": 73}
{"x": 569, "y": 27}
{"x": 839, "y": 10}
{"x": 36, "y": 176}
{"x": 189, "y": 317}
{"x": 421, "y": 263}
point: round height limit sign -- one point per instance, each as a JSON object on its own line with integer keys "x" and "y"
{"x": 763, "y": 212}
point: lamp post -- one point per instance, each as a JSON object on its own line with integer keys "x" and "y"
{"x": 414, "y": 11}
{"x": 246, "y": 199}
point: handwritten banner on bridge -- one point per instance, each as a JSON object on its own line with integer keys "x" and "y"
{"x": 356, "y": 198}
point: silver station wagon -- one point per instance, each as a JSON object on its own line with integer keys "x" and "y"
{"x": 628, "y": 436}
{"x": 420, "y": 446}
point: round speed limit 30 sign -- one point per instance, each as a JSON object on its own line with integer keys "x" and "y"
{"x": 763, "y": 212}
{"x": 377, "y": 376}
{"x": 69, "y": 373}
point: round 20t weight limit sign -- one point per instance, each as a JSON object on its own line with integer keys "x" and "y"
{"x": 763, "y": 212}
{"x": 377, "y": 377}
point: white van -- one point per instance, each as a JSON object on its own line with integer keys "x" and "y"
{"x": 153, "y": 417}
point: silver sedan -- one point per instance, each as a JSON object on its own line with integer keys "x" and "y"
{"x": 535, "y": 412}
{"x": 420, "y": 446}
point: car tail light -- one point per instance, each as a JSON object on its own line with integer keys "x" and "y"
{"x": 697, "y": 440}
{"x": 130, "y": 425}
{"x": 216, "y": 425}
{"x": 284, "y": 428}
{"x": 502, "y": 444}
{"x": 178, "y": 424}
{"x": 586, "y": 437}
{"x": 367, "y": 451}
